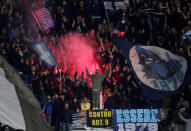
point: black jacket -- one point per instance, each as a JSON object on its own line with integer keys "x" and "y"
{"x": 66, "y": 116}
{"x": 74, "y": 106}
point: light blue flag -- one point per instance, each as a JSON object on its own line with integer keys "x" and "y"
{"x": 44, "y": 53}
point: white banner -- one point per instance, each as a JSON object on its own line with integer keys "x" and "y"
{"x": 10, "y": 110}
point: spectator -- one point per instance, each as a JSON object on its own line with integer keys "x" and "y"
{"x": 66, "y": 117}
{"x": 48, "y": 109}
{"x": 110, "y": 101}
{"x": 97, "y": 80}
{"x": 187, "y": 122}
{"x": 62, "y": 102}
{"x": 162, "y": 125}
{"x": 183, "y": 102}
{"x": 75, "y": 106}
{"x": 2, "y": 127}
{"x": 85, "y": 105}
{"x": 56, "y": 112}
{"x": 176, "y": 121}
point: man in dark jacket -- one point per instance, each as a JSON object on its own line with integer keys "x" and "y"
{"x": 110, "y": 102}
{"x": 75, "y": 106}
{"x": 97, "y": 80}
{"x": 66, "y": 117}
{"x": 163, "y": 123}
{"x": 56, "y": 112}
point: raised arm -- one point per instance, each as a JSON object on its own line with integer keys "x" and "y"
{"x": 108, "y": 71}
{"x": 88, "y": 74}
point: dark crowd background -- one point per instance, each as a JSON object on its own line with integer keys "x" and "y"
{"x": 89, "y": 16}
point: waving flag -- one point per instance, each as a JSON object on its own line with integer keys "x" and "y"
{"x": 118, "y": 4}
{"x": 158, "y": 71}
{"x": 108, "y": 5}
{"x": 19, "y": 108}
{"x": 44, "y": 53}
{"x": 43, "y": 18}
{"x": 10, "y": 110}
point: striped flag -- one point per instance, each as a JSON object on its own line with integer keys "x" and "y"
{"x": 43, "y": 18}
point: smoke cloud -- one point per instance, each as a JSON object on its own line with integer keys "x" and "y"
{"x": 75, "y": 52}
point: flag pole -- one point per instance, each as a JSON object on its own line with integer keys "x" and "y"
{"x": 107, "y": 17}
{"x": 60, "y": 75}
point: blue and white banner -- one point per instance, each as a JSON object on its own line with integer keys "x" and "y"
{"x": 108, "y": 5}
{"x": 187, "y": 35}
{"x": 44, "y": 53}
{"x": 159, "y": 72}
{"x": 118, "y": 4}
{"x": 136, "y": 119}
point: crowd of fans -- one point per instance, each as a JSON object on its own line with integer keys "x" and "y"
{"x": 120, "y": 87}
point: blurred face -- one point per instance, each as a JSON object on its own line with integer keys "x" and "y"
{"x": 132, "y": 30}
{"x": 33, "y": 68}
{"x": 56, "y": 96}
{"x": 64, "y": 3}
{"x": 17, "y": 14}
{"x": 162, "y": 117}
{"x": 85, "y": 100}
{"x": 10, "y": 19}
{"x": 109, "y": 93}
{"x": 181, "y": 99}
{"x": 66, "y": 106}
{"x": 92, "y": 32}
{"x": 81, "y": 3}
{"x": 4, "y": 31}
{"x": 48, "y": 98}
{"x": 75, "y": 100}
{"x": 78, "y": 18}
{"x": 62, "y": 97}
{"x": 182, "y": 109}
{"x": 124, "y": 68}
{"x": 104, "y": 21}
{"x": 97, "y": 71}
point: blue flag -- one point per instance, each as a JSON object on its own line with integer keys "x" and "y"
{"x": 44, "y": 53}
{"x": 159, "y": 72}
{"x": 118, "y": 4}
{"x": 108, "y": 5}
